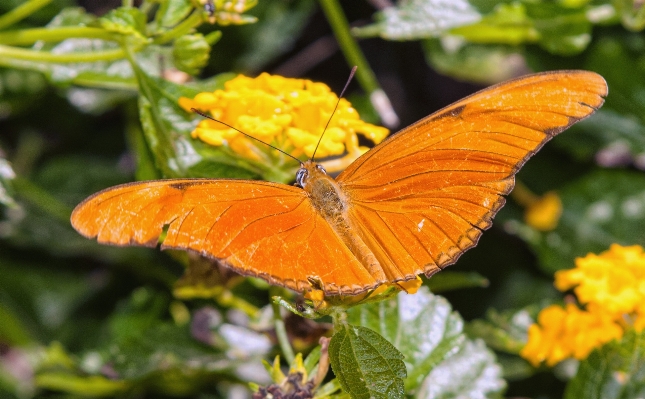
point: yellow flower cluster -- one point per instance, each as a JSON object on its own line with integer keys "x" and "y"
{"x": 544, "y": 213}
{"x": 290, "y": 114}
{"x": 612, "y": 288}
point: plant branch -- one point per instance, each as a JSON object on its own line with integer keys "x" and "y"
{"x": 30, "y": 36}
{"x": 281, "y": 330}
{"x": 21, "y": 12}
{"x": 44, "y": 56}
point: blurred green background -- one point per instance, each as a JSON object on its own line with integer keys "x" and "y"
{"x": 67, "y": 130}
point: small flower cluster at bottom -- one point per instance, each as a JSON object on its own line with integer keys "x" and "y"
{"x": 611, "y": 286}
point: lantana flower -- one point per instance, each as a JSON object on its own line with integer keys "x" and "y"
{"x": 289, "y": 114}
{"x": 610, "y": 287}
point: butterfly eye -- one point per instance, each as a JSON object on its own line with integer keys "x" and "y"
{"x": 301, "y": 175}
{"x": 321, "y": 169}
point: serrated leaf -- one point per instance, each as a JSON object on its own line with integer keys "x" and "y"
{"x": 366, "y": 364}
{"x": 616, "y": 370}
{"x": 603, "y": 207}
{"x": 126, "y": 21}
{"x": 191, "y": 53}
{"x": 424, "y": 328}
{"x": 172, "y": 12}
{"x": 471, "y": 373}
{"x": 420, "y": 19}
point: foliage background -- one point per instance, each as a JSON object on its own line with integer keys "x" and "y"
{"x": 66, "y": 302}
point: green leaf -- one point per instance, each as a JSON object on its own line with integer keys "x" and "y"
{"x": 506, "y": 24}
{"x": 419, "y": 19}
{"x": 480, "y": 63}
{"x": 126, "y": 21}
{"x": 472, "y": 372}
{"x": 191, "y": 53}
{"x": 616, "y": 370}
{"x": 503, "y": 331}
{"x": 172, "y": 12}
{"x": 558, "y": 29}
{"x": 449, "y": 280}
{"x": 562, "y": 30}
{"x": 116, "y": 74}
{"x": 366, "y": 364}
{"x": 167, "y": 130}
{"x": 603, "y": 207}
{"x": 632, "y": 15}
{"x": 426, "y": 331}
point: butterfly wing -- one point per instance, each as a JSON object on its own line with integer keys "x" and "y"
{"x": 257, "y": 228}
{"x": 424, "y": 196}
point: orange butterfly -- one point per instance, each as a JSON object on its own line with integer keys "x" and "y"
{"x": 411, "y": 205}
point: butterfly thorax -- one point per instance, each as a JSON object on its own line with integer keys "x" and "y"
{"x": 324, "y": 193}
{"x": 332, "y": 204}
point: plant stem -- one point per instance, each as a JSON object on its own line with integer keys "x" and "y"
{"x": 21, "y": 12}
{"x": 355, "y": 57}
{"x": 194, "y": 20}
{"x": 280, "y": 329}
{"x": 44, "y": 56}
{"x": 30, "y": 36}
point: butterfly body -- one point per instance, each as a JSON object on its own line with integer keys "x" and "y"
{"x": 411, "y": 205}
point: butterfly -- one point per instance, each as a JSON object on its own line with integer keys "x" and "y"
{"x": 411, "y": 205}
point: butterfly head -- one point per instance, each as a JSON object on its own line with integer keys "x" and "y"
{"x": 308, "y": 172}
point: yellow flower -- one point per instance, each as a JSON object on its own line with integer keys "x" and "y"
{"x": 567, "y": 332}
{"x": 290, "y": 114}
{"x": 615, "y": 279}
{"x": 544, "y": 213}
{"x": 611, "y": 286}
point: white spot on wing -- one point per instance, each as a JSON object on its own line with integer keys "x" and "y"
{"x": 420, "y": 225}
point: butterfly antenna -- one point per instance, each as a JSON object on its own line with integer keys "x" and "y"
{"x": 351, "y": 75}
{"x": 247, "y": 135}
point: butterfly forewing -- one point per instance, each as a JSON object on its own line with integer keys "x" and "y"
{"x": 424, "y": 196}
{"x": 257, "y": 228}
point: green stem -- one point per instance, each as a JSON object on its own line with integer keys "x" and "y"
{"x": 44, "y": 56}
{"x": 281, "y": 330}
{"x": 21, "y": 12}
{"x": 100, "y": 83}
{"x": 30, "y": 36}
{"x": 355, "y": 57}
{"x": 348, "y": 45}
{"x": 42, "y": 199}
{"x": 187, "y": 25}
